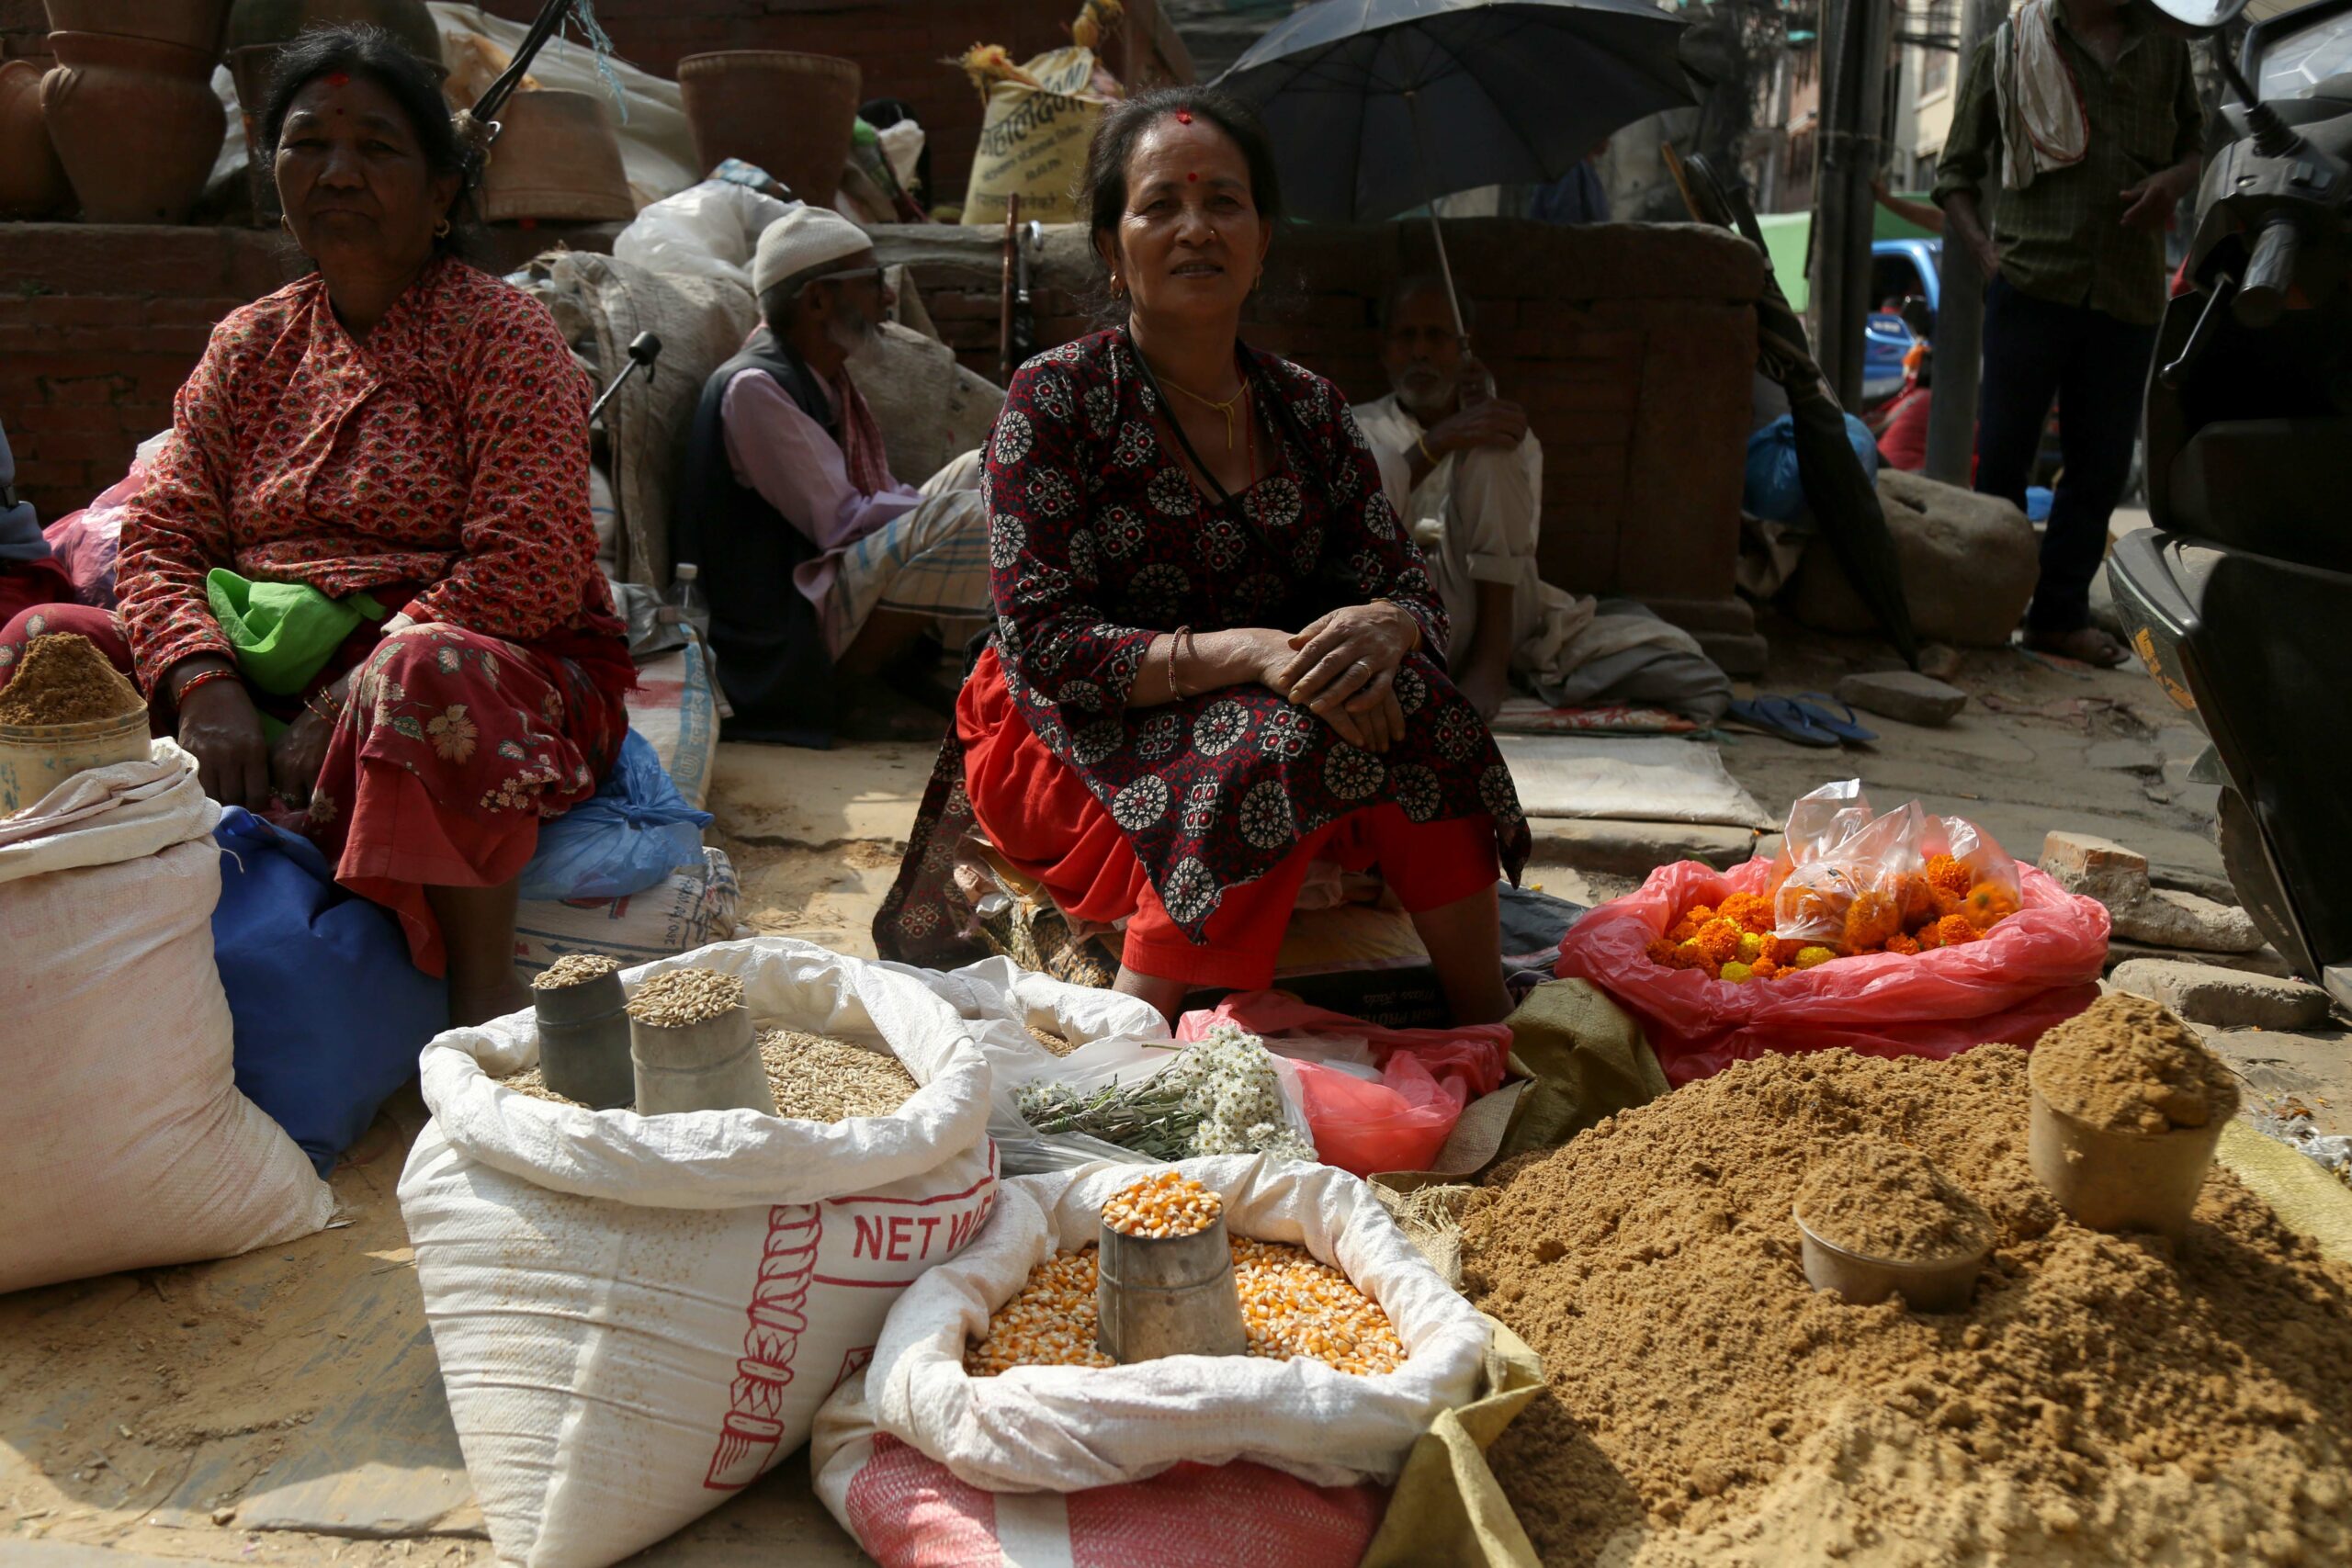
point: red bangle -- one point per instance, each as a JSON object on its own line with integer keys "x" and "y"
{"x": 1175, "y": 640}
{"x": 199, "y": 679}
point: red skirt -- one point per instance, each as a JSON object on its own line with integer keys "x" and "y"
{"x": 1040, "y": 815}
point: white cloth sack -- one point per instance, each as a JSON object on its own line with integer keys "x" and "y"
{"x": 124, "y": 1143}
{"x": 638, "y": 1315}
{"x": 675, "y": 707}
{"x": 1071, "y": 1428}
{"x": 693, "y": 906}
{"x": 709, "y": 230}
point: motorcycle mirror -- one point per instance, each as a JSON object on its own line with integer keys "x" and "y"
{"x": 2198, "y": 18}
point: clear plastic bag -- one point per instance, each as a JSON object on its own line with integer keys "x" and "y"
{"x": 708, "y": 229}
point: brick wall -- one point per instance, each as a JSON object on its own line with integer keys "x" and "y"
{"x": 899, "y": 46}
{"x": 98, "y": 327}
{"x": 23, "y": 27}
{"x": 1632, "y": 346}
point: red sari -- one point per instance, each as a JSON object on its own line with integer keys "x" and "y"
{"x": 442, "y": 465}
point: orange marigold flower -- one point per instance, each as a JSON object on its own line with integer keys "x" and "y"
{"x": 1661, "y": 951}
{"x": 1988, "y": 905}
{"x": 1720, "y": 940}
{"x": 1782, "y": 952}
{"x": 1764, "y": 969}
{"x": 1748, "y": 911}
{"x": 1949, "y": 903}
{"x": 1948, "y": 875}
{"x": 1700, "y": 914}
{"x": 1929, "y": 937}
{"x": 1914, "y": 896}
{"x": 1954, "y": 929}
{"x": 1683, "y": 930}
{"x": 1902, "y": 945}
{"x": 1869, "y": 920}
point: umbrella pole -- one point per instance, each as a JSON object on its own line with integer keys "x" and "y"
{"x": 1437, "y": 230}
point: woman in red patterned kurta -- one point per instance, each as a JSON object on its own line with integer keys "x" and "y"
{"x": 400, "y": 423}
{"x": 1210, "y": 662}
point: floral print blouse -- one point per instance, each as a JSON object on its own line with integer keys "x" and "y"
{"x": 449, "y": 449}
{"x": 1099, "y": 539}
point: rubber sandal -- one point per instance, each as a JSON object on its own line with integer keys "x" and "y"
{"x": 1815, "y": 705}
{"x": 1778, "y": 716}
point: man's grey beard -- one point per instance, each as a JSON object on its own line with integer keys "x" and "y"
{"x": 850, "y": 331}
{"x": 1418, "y": 385}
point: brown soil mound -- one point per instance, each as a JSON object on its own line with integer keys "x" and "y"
{"x": 2125, "y": 1065}
{"x": 1886, "y": 1200}
{"x": 2108, "y": 1399}
{"x": 63, "y": 679}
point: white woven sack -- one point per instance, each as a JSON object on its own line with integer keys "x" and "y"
{"x": 124, "y": 1143}
{"x": 1070, "y": 1429}
{"x": 638, "y": 1315}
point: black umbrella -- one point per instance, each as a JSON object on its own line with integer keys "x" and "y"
{"x": 1376, "y": 106}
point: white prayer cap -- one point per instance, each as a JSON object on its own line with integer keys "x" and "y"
{"x": 804, "y": 238}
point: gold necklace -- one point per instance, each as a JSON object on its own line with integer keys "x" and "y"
{"x": 1224, "y": 408}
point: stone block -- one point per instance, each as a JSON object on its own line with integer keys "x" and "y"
{"x": 1901, "y": 695}
{"x": 1969, "y": 566}
{"x": 2117, "y": 878}
{"x": 2225, "y": 999}
{"x": 2262, "y": 960}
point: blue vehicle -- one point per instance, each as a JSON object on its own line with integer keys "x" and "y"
{"x": 1900, "y": 270}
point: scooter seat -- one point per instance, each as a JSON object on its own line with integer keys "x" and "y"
{"x": 2275, "y": 487}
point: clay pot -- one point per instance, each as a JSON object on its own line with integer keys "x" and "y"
{"x": 135, "y": 123}
{"x": 190, "y": 24}
{"x": 557, "y": 156}
{"x": 276, "y": 21}
{"x": 32, "y": 182}
{"x": 789, "y": 113}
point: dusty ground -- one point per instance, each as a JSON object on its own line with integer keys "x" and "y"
{"x": 168, "y": 1413}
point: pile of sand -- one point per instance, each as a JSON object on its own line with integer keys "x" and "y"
{"x": 63, "y": 679}
{"x": 2106, "y": 1399}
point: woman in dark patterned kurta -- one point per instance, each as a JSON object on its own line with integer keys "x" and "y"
{"x": 1209, "y": 658}
{"x": 401, "y": 424}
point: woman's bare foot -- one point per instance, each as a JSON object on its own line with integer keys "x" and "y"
{"x": 2085, "y": 644}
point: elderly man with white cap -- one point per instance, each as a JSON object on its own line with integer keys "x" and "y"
{"x": 814, "y": 557}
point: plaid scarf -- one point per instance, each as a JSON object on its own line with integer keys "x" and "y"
{"x": 862, "y": 454}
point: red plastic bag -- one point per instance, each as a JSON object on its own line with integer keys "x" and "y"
{"x": 1427, "y": 1076}
{"x": 912, "y": 1512}
{"x": 1398, "y": 1124}
{"x": 2036, "y": 968}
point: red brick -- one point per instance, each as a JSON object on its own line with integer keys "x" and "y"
{"x": 165, "y": 311}
{"x": 84, "y": 388}
{"x": 86, "y": 310}
{"x": 97, "y": 446}
{"x": 62, "y": 418}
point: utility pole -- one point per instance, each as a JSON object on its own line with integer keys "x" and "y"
{"x": 1856, "y": 35}
{"x": 1960, "y": 310}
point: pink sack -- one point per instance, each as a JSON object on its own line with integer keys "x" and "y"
{"x": 2036, "y": 968}
{"x": 86, "y": 542}
{"x": 907, "y": 1511}
{"x": 1427, "y": 1076}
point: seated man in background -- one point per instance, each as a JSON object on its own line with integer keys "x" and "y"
{"x": 1462, "y": 468}
{"x": 815, "y": 557}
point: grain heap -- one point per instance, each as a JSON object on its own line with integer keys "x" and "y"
{"x": 816, "y": 1078}
{"x": 677, "y": 998}
{"x": 1881, "y": 1199}
{"x": 2106, "y": 1399}
{"x": 574, "y": 969}
{"x": 2125, "y": 1065}
{"x": 63, "y": 679}
{"x": 1167, "y": 1204}
{"x": 1290, "y": 1304}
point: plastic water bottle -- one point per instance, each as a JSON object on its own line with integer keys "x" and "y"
{"x": 686, "y": 603}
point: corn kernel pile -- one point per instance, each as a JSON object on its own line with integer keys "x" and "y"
{"x": 1167, "y": 1204}
{"x": 1292, "y": 1305}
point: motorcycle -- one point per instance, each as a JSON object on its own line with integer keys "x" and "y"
{"x": 2239, "y": 601}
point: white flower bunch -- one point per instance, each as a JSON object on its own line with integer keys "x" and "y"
{"x": 1229, "y": 1076}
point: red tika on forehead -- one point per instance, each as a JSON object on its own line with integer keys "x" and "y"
{"x": 338, "y": 78}
{"x": 1184, "y": 117}
{"x": 1193, "y": 178}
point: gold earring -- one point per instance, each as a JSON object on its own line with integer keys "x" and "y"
{"x": 441, "y": 229}
{"x": 1118, "y": 287}
{"x": 286, "y": 222}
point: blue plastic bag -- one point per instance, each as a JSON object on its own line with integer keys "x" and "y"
{"x": 1772, "y": 489}
{"x": 632, "y": 834}
{"x": 329, "y": 1013}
